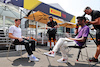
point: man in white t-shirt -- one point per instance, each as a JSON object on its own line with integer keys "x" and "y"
{"x": 15, "y": 34}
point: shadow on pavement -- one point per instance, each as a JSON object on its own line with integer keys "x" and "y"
{"x": 12, "y": 53}
{"x": 56, "y": 66}
{"x": 22, "y": 61}
{"x": 81, "y": 65}
{"x": 94, "y": 64}
{"x": 47, "y": 48}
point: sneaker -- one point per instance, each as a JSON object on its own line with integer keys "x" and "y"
{"x": 28, "y": 56}
{"x": 62, "y": 60}
{"x": 33, "y": 58}
{"x": 50, "y": 49}
{"x": 93, "y": 59}
{"x": 51, "y": 54}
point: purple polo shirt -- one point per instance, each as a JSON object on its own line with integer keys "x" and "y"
{"x": 83, "y": 32}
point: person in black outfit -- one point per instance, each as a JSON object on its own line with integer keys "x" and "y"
{"x": 52, "y": 29}
{"x": 94, "y": 15}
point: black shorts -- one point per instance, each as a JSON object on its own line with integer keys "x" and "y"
{"x": 52, "y": 36}
{"x": 98, "y": 36}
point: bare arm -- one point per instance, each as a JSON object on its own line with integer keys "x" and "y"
{"x": 25, "y": 37}
{"x": 13, "y": 37}
{"x": 82, "y": 39}
{"x": 48, "y": 27}
{"x": 92, "y": 28}
{"x": 93, "y": 22}
{"x": 57, "y": 26}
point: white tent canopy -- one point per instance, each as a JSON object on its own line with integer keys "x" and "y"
{"x": 6, "y": 11}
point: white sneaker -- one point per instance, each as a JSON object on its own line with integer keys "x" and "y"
{"x": 62, "y": 60}
{"x": 28, "y": 56}
{"x": 33, "y": 58}
{"x": 51, "y": 54}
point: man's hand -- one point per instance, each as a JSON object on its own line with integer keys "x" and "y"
{"x": 55, "y": 26}
{"x": 92, "y": 28}
{"x": 20, "y": 39}
{"x": 27, "y": 38}
{"x": 71, "y": 38}
{"x": 87, "y": 21}
{"x": 96, "y": 22}
{"x": 48, "y": 27}
{"x": 77, "y": 26}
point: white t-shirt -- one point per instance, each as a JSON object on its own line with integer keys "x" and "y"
{"x": 16, "y": 31}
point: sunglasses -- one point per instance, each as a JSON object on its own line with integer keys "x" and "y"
{"x": 79, "y": 21}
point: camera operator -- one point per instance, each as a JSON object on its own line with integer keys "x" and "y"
{"x": 94, "y": 15}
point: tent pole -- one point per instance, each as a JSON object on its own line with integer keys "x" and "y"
{"x": 36, "y": 29}
{"x": 45, "y": 30}
{"x": 36, "y": 32}
{"x": 70, "y": 32}
{"x": 43, "y": 34}
{"x": 64, "y": 29}
{"x": 42, "y": 38}
{"x": 20, "y": 17}
{"x": 3, "y": 22}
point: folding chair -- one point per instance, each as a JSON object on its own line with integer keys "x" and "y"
{"x": 10, "y": 46}
{"x": 80, "y": 52}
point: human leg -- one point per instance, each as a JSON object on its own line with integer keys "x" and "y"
{"x": 32, "y": 44}
{"x": 59, "y": 43}
{"x": 50, "y": 35}
{"x": 63, "y": 51}
{"x": 98, "y": 44}
{"x": 95, "y": 58}
{"x": 54, "y": 39}
{"x": 97, "y": 52}
{"x": 56, "y": 47}
{"x": 28, "y": 49}
{"x": 25, "y": 43}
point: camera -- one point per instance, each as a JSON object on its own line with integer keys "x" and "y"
{"x": 86, "y": 19}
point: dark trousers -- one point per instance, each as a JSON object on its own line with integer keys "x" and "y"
{"x": 52, "y": 36}
{"x": 25, "y": 42}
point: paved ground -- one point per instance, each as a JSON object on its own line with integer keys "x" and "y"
{"x": 15, "y": 60}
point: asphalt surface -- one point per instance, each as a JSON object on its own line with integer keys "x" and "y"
{"x": 15, "y": 60}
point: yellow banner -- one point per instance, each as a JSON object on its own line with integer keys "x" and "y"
{"x": 31, "y": 4}
{"x": 73, "y": 19}
{"x": 55, "y": 12}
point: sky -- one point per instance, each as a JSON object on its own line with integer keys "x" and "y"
{"x": 76, "y": 7}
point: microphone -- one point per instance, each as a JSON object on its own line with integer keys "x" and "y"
{"x": 29, "y": 13}
{"x": 84, "y": 14}
{"x": 77, "y": 26}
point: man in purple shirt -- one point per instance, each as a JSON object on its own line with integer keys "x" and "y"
{"x": 79, "y": 40}
{"x": 83, "y": 32}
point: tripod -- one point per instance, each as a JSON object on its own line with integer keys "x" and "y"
{"x": 92, "y": 38}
